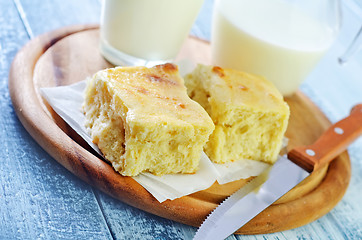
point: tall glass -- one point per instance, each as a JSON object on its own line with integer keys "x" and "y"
{"x": 281, "y": 40}
{"x": 145, "y": 32}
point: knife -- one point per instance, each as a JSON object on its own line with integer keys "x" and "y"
{"x": 286, "y": 173}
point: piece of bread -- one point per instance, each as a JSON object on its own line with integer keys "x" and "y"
{"x": 249, "y": 113}
{"x": 143, "y": 120}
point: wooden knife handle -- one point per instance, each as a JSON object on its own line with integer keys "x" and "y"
{"x": 332, "y": 142}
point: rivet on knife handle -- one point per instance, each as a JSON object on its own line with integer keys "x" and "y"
{"x": 331, "y": 143}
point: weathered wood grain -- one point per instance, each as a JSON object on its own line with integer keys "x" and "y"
{"x": 127, "y": 222}
{"x": 61, "y": 13}
{"x": 333, "y": 88}
{"x": 47, "y": 15}
{"x": 39, "y": 199}
{"x": 73, "y": 52}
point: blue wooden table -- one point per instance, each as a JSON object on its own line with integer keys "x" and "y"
{"x": 39, "y": 199}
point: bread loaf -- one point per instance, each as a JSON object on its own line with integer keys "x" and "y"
{"x": 143, "y": 120}
{"x": 249, "y": 113}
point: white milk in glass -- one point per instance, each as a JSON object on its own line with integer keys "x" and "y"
{"x": 151, "y": 30}
{"x": 269, "y": 38}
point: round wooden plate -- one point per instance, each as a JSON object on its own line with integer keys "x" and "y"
{"x": 71, "y": 54}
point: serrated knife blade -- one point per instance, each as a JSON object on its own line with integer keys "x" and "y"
{"x": 248, "y": 203}
{"x": 286, "y": 173}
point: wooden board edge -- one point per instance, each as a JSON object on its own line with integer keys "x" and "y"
{"x": 170, "y": 209}
{"x": 62, "y": 148}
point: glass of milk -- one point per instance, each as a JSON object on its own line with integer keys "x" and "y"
{"x": 281, "y": 40}
{"x": 145, "y": 32}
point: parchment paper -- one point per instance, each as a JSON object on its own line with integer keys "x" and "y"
{"x": 67, "y": 101}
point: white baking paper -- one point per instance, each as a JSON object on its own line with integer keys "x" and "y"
{"x": 67, "y": 101}
{"x": 176, "y": 185}
{"x": 241, "y": 169}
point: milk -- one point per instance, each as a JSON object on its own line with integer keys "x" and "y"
{"x": 269, "y": 38}
{"x": 147, "y": 29}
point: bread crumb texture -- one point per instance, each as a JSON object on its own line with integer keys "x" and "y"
{"x": 249, "y": 113}
{"x": 143, "y": 120}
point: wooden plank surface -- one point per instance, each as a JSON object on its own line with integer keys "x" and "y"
{"x": 116, "y": 215}
{"x": 73, "y": 52}
{"x": 27, "y": 172}
{"x": 39, "y": 199}
{"x": 335, "y": 88}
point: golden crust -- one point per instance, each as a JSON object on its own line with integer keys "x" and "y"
{"x": 142, "y": 120}
{"x": 249, "y": 113}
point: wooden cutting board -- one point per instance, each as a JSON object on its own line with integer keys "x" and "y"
{"x": 71, "y": 54}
